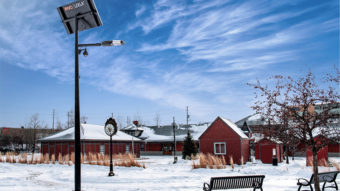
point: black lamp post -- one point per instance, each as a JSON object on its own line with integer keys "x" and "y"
{"x": 78, "y": 16}
{"x": 110, "y": 129}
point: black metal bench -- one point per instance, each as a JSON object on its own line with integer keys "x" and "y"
{"x": 326, "y": 177}
{"x": 234, "y": 182}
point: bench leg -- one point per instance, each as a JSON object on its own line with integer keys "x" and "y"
{"x": 257, "y": 188}
{"x": 299, "y": 188}
{"x": 336, "y": 185}
{"x": 310, "y": 186}
{"x": 323, "y": 186}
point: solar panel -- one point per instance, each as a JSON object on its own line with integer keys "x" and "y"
{"x": 85, "y": 10}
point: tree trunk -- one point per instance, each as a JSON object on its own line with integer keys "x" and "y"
{"x": 287, "y": 158}
{"x": 315, "y": 169}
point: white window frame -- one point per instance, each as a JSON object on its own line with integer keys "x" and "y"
{"x": 220, "y": 143}
{"x": 102, "y": 149}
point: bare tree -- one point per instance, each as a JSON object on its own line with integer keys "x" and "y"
{"x": 83, "y": 119}
{"x": 128, "y": 120}
{"x": 295, "y": 100}
{"x": 157, "y": 119}
{"x": 119, "y": 120}
{"x": 138, "y": 118}
{"x": 59, "y": 125}
{"x": 70, "y": 119}
{"x": 33, "y": 125}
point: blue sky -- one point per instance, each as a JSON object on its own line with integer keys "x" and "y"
{"x": 179, "y": 53}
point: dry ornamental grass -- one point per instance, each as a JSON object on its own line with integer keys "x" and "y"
{"x": 209, "y": 161}
{"x": 127, "y": 160}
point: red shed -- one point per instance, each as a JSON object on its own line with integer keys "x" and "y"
{"x": 93, "y": 140}
{"x": 266, "y": 149}
{"x": 225, "y": 139}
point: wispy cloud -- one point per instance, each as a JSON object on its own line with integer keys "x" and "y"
{"x": 202, "y": 57}
{"x": 244, "y": 33}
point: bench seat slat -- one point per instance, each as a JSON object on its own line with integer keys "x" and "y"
{"x": 235, "y": 182}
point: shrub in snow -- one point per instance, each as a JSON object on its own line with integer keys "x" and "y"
{"x": 209, "y": 161}
{"x": 242, "y": 162}
{"x": 42, "y": 159}
{"x": 47, "y": 158}
{"x": 231, "y": 162}
{"x": 66, "y": 159}
{"x": 53, "y": 159}
{"x": 336, "y": 165}
{"x": 189, "y": 147}
{"x": 60, "y": 159}
{"x": 72, "y": 157}
{"x": 127, "y": 160}
{"x": 82, "y": 158}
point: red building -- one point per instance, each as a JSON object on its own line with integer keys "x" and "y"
{"x": 322, "y": 157}
{"x": 267, "y": 149}
{"x": 160, "y": 140}
{"x": 93, "y": 140}
{"x": 224, "y": 138}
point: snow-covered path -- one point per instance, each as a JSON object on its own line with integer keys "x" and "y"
{"x": 160, "y": 174}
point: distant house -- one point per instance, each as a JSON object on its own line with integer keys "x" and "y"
{"x": 134, "y": 129}
{"x": 23, "y": 138}
{"x": 93, "y": 140}
{"x": 224, "y": 138}
{"x": 159, "y": 140}
{"x": 266, "y": 149}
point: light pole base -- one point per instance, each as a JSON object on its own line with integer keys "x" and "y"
{"x": 111, "y": 173}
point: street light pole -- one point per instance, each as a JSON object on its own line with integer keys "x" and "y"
{"x": 77, "y": 166}
{"x": 85, "y": 13}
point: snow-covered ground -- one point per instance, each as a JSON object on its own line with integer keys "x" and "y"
{"x": 160, "y": 174}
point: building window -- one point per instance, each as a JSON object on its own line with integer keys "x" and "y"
{"x": 102, "y": 149}
{"x": 127, "y": 149}
{"x": 220, "y": 148}
{"x": 142, "y": 147}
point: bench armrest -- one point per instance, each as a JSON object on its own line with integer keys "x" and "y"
{"x": 302, "y": 181}
{"x": 206, "y": 187}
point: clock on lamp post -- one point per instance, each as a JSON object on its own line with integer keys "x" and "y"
{"x": 110, "y": 129}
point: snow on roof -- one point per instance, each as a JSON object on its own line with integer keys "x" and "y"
{"x": 195, "y": 131}
{"x": 255, "y": 117}
{"x": 89, "y": 132}
{"x": 268, "y": 138}
{"x": 133, "y": 127}
{"x": 235, "y": 128}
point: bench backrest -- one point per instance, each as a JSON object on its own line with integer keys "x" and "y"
{"x": 325, "y": 177}
{"x": 230, "y": 182}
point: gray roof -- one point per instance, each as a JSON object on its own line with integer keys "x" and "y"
{"x": 252, "y": 120}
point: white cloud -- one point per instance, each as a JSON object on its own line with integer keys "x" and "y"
{"x": 220, "y": 45}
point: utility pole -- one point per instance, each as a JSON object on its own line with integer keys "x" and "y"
{"x": 53, "y": 120}
{"x": 174, "y": 127}
{"x": 68, "y": 119}
{"x": 112, "y": 115}
{"x": 188, "y": 116}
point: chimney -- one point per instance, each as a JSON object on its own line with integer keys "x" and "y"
{"x": 135, "y": 123}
